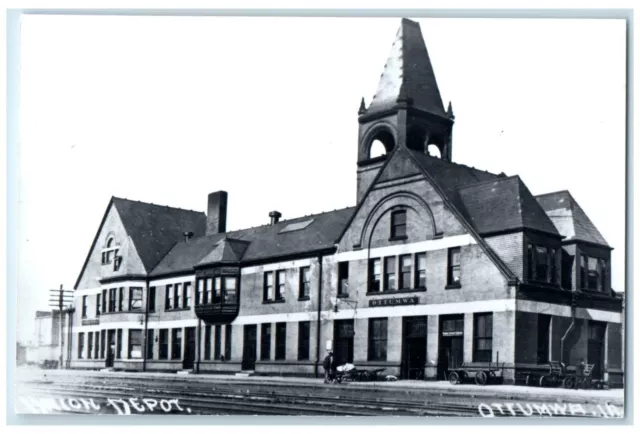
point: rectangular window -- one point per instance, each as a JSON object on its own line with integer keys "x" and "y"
{"x": 267, "y": 293}
{"x": 96, "y": 350}
{"x": 150, "y": 344}
{"x": 119, "y": 344}
{"x": 218, "y": 343}
{"x": 208, "y": 292}
{"x": 530, "y": 262}
{"x": 482, "y": 337}
{"x": 84, "y": 306}
{"x": 103, "y": 343}
{"x": 186, "y": 294}
{"x": 151, "y": 299}
{"x": 89, "y": 344}
{"x": 177, "y": 296}
{"x": 583, "y": 271}
{"x": 198, "y": 292}
{"x": 544, "y": 323}
{"x": 552, "y": 265}
{"x": 135, "y": 344}
{"x": 542, "y": 265}
{"x": 217, "y": 289}
{"x": 281, "y": 340}
{"x": 280, "y": 282}
{"x": 135, "y": 298}
{"x": 227, "y": 342}
{"x": 98, "y": 305}
{"x": 121, "y": 300}
{"x": 112, "y": 299}
{"x": 405, "y": 272}
{"x": 567, "y": 270}
{"x": 104, "y": 301}
{"x": 453, "y": 274}
{"x": 207, "y": 342}
{"x": 378, "y": 339}
{"x": 305, "y": 282}
{"x": 374, "y": 275}
{"x": 343, "y": 278}
{"x": 265, "y": 342}
{"x": 80, "y": 345}
{"x": 176, "y": 344}
{"x": 390, "y": 274}
{"x": 399, "y": 224}
{"x": 603, "y": 273}
{"x": 421, "y": 270}
{"x": 163, "y": 349}
{"x": 168, "y": 297}
{"x": 230, "y": 290}
{"x": 592, "y": 276}
{"x": 304, "y": 328}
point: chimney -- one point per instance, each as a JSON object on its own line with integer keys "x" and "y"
{"x": 275, "y": 217}
{"x": 187, "y": 236}
{"x": 217, "y": 213}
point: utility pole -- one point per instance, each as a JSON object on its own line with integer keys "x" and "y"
{"x": 63, "y": 297}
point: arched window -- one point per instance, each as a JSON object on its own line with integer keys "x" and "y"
{"x": 434, "y": 151}
{"x": 110, "y": 253}
{"x": 381, "y": 144}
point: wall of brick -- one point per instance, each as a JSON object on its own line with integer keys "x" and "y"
{"x": 131, "y": 263}
{"x": 510, "y": 249}
{"x": 526, "y": 337}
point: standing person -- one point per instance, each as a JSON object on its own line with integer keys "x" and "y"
{"x": 327, "y": 365}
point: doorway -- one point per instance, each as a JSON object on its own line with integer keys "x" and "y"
{"x": 249, "y": 349}
{"x": 595, "y": 348}
{"x": 190, "y": 348}
{"x": 414, "y": 347}
{"x": 343, "y": 334}
{"x": 451, "y": 344}
{"x": 111, "y": 348}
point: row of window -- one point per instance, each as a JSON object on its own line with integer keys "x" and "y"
{"x": 112, "y": 300}
{"x": 275, "y": 282}
{"x": 110, "y": 254}
{"x": 304, "y": 328}
{"x": 593, "y": 273}
{"x": 214, "y": 290}
{"x": 97, "y": 347}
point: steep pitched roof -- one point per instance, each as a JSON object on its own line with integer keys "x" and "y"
{"x": 408, "y": 73}
{"x": 154, "y": 229}
{"x": 288, "y": 237}
{"x": 569, "y": 218}
{"x": 504, "y": 204}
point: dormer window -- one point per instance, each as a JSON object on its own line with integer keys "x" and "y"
{"x": 110, "y": 254}
{"x": 541, "y": 263}
{"x": 399, "y": 224}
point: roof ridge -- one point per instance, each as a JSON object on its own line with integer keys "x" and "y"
{"x": 553, "y": 192}
{"x": 315, "y": 215}
{"x": 157, "y": 205}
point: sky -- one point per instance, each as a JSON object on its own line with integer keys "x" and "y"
{"x": 169, "y": 109}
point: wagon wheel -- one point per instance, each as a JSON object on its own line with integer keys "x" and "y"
{"x": 569, "y": 383}
{"x": 481, "y": 378}
{"x": 529, "y": 380}
{"x": 543, "y": 381}
{"x": 454, "y": 378}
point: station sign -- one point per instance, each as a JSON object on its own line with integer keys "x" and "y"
{"x": 94, "y": 321}
{"x": 402, "y": 301}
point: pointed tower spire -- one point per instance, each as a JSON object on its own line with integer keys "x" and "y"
{"x": 408, "y": 75}
{"x": 363, "y": 108}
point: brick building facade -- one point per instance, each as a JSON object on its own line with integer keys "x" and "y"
{"x": 438, "y": 264}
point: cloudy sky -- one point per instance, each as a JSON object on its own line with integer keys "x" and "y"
{"x": 169, "y": 109}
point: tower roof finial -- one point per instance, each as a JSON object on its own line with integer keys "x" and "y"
{"x": 450, "y": 111}
{"x": 362, "y": 108}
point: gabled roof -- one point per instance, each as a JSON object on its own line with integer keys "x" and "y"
{"x": 259, "y": 243}
{"x": 154, "y": 229}
{"x": 504, "y": 204}
{"x": 408, "y": 74}
{"x": 569, "y": 218}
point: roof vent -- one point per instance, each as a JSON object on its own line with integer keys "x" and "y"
{"x": 296, "y": 226}
{"x": 187, "y": 235}
{"x": 275, "y": 217}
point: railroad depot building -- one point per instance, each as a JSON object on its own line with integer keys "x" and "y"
{"x": 436, "y": 265}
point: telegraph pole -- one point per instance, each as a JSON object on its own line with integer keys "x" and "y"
{"x": 63, "y": 297}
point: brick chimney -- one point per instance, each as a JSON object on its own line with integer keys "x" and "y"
{"x": 275, "y": 217}
{"x": 217, "y": 213}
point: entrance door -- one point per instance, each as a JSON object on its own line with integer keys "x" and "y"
{"x": 190, "y": 348}
{"x": 595, "y": 348}
{"x": 414, "y": 347}
{"x": 111, "y": 348}
{"x": 249, "y": 349}
{"x": 451, "y": 345}
{"x": 343, "y": 334}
